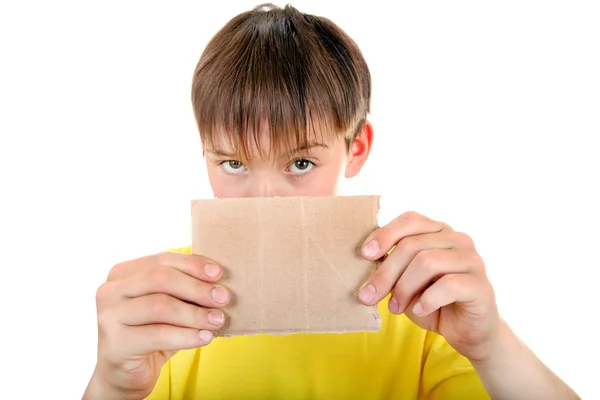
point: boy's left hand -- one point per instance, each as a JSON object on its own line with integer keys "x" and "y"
{"x": 436, "y": 278}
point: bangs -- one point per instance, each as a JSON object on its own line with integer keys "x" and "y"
{"x": 282, "y": 76}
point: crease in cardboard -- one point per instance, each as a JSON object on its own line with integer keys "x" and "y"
{"x": 306, "y": 240}
{"x": 261, "y": 258}
{"x": 329, "y": 264}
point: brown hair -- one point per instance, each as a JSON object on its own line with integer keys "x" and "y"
{"x": 276, "y": 71}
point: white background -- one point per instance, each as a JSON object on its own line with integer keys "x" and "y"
{"x": 486, "y": 116}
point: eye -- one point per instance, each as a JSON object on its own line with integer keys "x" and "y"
{"x": 233, "y": 167}
{"x": 301, "y": 166}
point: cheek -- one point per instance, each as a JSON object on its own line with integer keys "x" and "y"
{"x": 324, "y": 181}
{"x": 221, "y": 184}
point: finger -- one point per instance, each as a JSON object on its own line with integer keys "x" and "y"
{"x": 177, "y": 284}
{"x": 410, "y": 223}
{"x": 191, "y": 264}
{"x": 429, "y": 266}
{"x": 385, "y": 277}
{"x": 148, "y": 339}
{"x": 449, "y": 289}
{"x": 164, "y": 309}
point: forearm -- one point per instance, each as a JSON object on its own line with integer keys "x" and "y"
{"x": 514, "y": 372}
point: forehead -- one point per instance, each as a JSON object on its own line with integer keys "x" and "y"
{"x": 267, "y": 146}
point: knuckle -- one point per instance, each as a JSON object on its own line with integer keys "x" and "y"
{"x": 104, "y": 321}
{"x": 463, "y": 239}
{"x": 477, "y": 262}
{"x": 104, "y": 292}
{"x": 408, "y": 244}
{"x": 160, "y": 305}
{"x": 108, "y": 327}
{"x": 452, "y": 283}
{"x": 115, "y": 270}
{"x": 446, "y": 227}
{"x": 491, "y": 293}
{"x": 159, "y": 277}
{"x": 410, "y": 216}
{"x": 162, "y": 259}
{"x": 427, "y": 259}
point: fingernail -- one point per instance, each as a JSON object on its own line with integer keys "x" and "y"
{"x": 367, "y": 293}
{"x": 219, "y": 294}
{"x": 371, "y": 249}
{"x": 212, "y": 270}
{"x": 417, "y": 309}
{"x": 215, "y": 317}
{"x": 393, "y": 305}
{"x": 206, "y": 336}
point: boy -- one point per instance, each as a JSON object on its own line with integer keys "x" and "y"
{"x": 281, "y": 100}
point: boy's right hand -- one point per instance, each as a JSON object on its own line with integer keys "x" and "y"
{"x": 148, "y": 309}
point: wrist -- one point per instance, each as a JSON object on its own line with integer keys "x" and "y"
{"x": 504, "y": 346}
{"x": 99, "y": 388}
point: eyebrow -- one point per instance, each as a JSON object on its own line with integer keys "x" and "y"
{"x": 218, "y": 152}
{"x": 308, "y": 146}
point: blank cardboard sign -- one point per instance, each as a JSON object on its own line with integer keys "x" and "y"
{"x": 293, "y": 264}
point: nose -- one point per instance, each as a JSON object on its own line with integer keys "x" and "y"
{"x": 268, "y": 186}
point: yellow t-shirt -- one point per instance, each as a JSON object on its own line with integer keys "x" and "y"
{"x": 401, "y": 361}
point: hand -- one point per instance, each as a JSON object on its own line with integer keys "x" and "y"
{"x": 437, "y": 279}
{"x": 148, "y": 309}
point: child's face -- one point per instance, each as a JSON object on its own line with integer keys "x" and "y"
{"x": 315, "y": 171}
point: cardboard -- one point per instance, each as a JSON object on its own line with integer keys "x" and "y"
{"x": 293, "y": 264}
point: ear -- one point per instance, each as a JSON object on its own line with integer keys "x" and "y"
{"x": 359, "y": 150}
